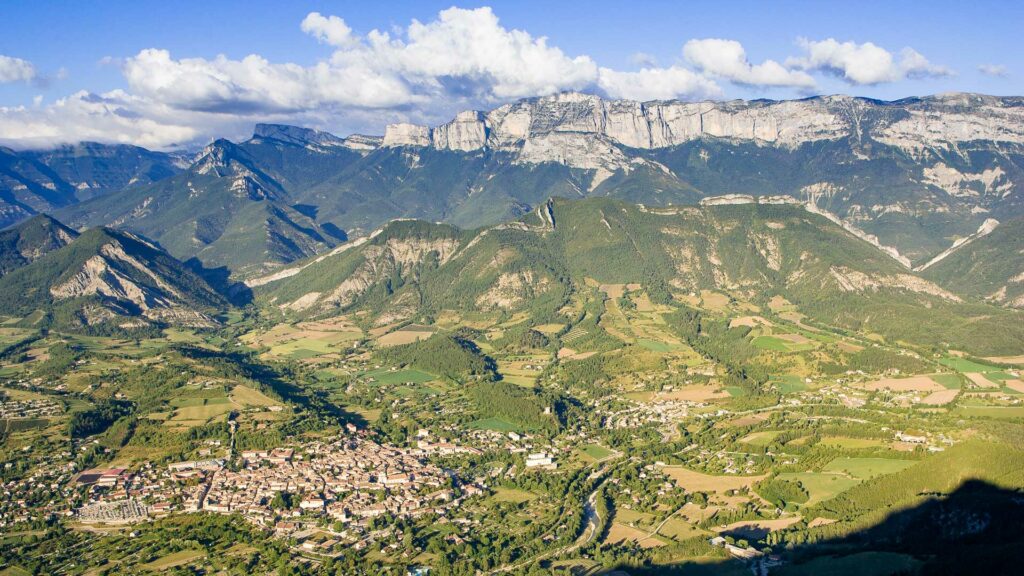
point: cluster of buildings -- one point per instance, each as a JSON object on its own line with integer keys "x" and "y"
{"x": 635, "y": 415}
{"x": 41, "y": 408}
{"x": 350, "y": 480}
{"x": 39, "y": 493}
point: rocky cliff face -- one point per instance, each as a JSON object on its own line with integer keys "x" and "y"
{"x": 913, "y": 125}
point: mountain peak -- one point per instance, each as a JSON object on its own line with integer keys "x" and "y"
{"x": 296, "y": 135}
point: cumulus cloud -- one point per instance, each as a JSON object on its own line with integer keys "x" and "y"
{"x": 997, "y": 70}
{"x": 464, "y": 54}
{"x": 727, "y": 59}
{"x": 423, "y": 72}
{"x": 15, "y": 70}
{"x": 864, "y": 64}
{"x": 656, "y": 84}
{"x": 329, "y": 30}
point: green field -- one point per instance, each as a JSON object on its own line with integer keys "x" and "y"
{"x": 596, "y": 451}
{"x": 950, "y": 381}
{"x": 962, "y": 365}
{"x": 400, "y": 376}
{"x": 760, "y": 439}
{"x": 512, "y": 495}
{"x": 998, "y": 412}
{"x": 789, "y": 384}
{"x": 865, "y": 468}
{"x": 655, "y": 346}
{"x": 821, "y": 486}
{"x": 176, "y": 559}
{"x": 771, "y": 343}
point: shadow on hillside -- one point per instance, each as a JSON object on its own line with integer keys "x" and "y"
{"x": 977, "y": 529}
{"x": 273, "y": 380}
{"x": 220, "y": 280}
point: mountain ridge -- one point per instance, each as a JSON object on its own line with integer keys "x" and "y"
{"x": 918, "y": 174}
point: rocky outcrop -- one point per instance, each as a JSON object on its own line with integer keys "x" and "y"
{"x": 407, "y": 135}
{"x": 468, "y": 131}
{"x": 529, "y": 127}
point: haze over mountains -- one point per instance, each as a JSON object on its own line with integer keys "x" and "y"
{"x": 918, "y": 174}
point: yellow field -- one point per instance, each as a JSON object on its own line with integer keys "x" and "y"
{"x": 769, "y": 525}
{"x": 549, "y": 328}
{"x": 715, "y": 301}
{"x": 399, "y": 337}
{"x": 679, "y": 529}
{"x": 912, "y": 384}
{"x": 1007, "y": 359}
{"x": 570, "y": 354}
{"x": 980, "y": 381}
{"x": 751, "y": 321}
{"x": 622, "y": 533}
{"x": 248, "y": 397}
{"x": 940, "y": 397}
{"x": 694, "y": 481}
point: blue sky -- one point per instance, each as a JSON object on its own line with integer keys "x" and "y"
{"x": 166, "y": 74}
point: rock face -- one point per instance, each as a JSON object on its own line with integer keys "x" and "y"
{"x": 407, "y": 135}
{"x": 911, "y": 125}
{"x": 467, "y": 132}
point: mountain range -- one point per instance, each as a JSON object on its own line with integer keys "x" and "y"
{"x": 100, "y": 280}
{"x": 920, "y": 175}
{"x": 773, "y": 247}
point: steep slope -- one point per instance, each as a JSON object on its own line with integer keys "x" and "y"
{"x": 990, "y": 267}
{"x": 31, "y": 240}
{"x": 230, "y": 209}
{"x": 913, "y": 172}
{"x": 39, "y": 181}
{"x": 754, "y": 251}
{"x": 107, "y": 278}
{"x": 917, "y": 173}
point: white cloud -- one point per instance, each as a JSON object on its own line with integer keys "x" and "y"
{"x": 728, "y": 59}
{"x": 329, "y": 30}
{"x": 643, "y": 59}
{"x": 423, "y": 72}
{"x": 864, "y": 64}
{"x": 464, "y": 54}
{"x": 657, "y": 84}
{"x": 997, "y": 70}
{"x": 15, "y": 70}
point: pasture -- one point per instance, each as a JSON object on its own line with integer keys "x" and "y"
{"x": 693, "y": 481}
{"x": 405, "y": 336}
{"x": 912, "y": 384}
{"x": 865, "y": 468}
{"x": 821, "y": 485}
